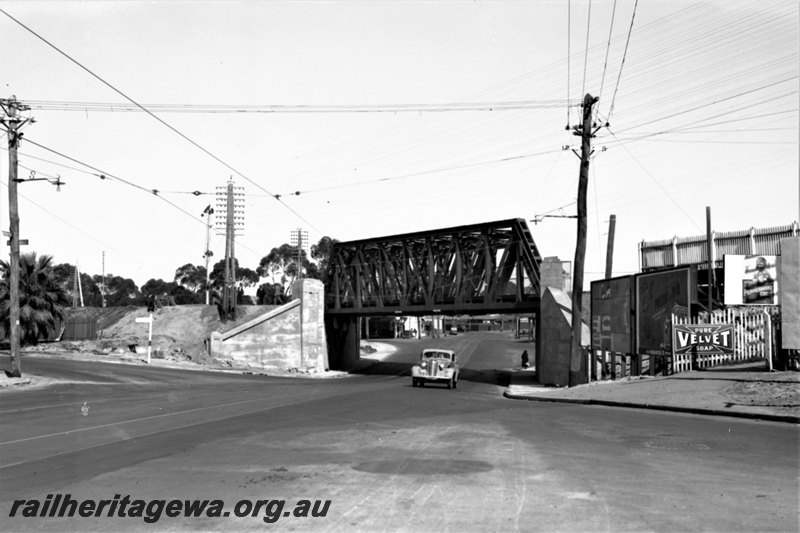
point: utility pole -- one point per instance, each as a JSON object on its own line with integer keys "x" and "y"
{"x": 228, "y": 292}
{"x": 103, "y": 288}
{"x": 299, "y": 240}
{"x": 13, "y": 123}
{"x": 612, "y": 223}
{"x": 578, "y": 370}
{"x": 231, "y": 200}
{"x": 710, "y": 259}
{"x": 208, "y": 212}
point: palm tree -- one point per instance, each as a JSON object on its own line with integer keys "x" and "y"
{"x": 41, "y": 298}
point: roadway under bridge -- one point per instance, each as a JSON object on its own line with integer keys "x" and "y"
{"x": 493, "y": 267}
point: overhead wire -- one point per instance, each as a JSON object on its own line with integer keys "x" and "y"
{"x": 70, "y": 224}
{"x": 605, "y": 61}
{"x": 47, "y": 105}
{"x": 423, "y": 173}
{"x": 151, "y": 114}
{"x": 569, "y": 52}
{"x": 654, "y": 180}
{"x": 624, "y": 55}
{"x": 586, "y": 51}
{"x": 106, "y": 175}
{"x": 410, "y": 148}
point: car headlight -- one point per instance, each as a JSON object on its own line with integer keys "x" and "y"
{"x": 441, "y": 366}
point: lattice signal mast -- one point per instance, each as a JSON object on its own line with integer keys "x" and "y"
{"x": 299, "y": 240}
{"x": 230, "y": 201}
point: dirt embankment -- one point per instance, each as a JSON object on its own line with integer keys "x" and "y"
{"x": 179, "y": 332}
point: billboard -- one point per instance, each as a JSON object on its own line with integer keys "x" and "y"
{"x": 703, "y": 339}
{"x": 751, "y": 280}
{"x": 789, "y": 272}
{"x": 612, "y": 307}
{"x": 659, "y": 295}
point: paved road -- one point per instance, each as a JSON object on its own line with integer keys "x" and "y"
{"x": 388, "y": 456}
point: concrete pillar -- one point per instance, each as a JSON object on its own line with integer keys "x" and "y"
{"x": 313, "y": 343}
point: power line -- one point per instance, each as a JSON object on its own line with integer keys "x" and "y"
{"x": 105, "y": 175}
{"x": 586, "y": 51}
{"x": 608, "y": 48}
{"x": 743, "y": 93}
{"x": 109, "y": 176}
{"x": 569, "y": 51}
{"x": 423, "y": 173}
{"x": 654, "y": 180}
{"x": 624, "y": 54}
{"x": 46, "y": 105}
{"x": 170, "y": 127}
{"x": 68, "y": 223}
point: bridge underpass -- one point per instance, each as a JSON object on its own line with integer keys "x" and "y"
{"x": 477, "y": 269}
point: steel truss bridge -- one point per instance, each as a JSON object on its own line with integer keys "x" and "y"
{"x": 476, "y": 269}
{"x": 492, "y": 267}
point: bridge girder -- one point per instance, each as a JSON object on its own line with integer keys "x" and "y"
{"x": 473, "y": 269}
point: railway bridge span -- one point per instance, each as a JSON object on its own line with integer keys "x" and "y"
{"x": 477, "y": 269}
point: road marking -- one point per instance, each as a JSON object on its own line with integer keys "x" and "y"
{"x": 133, "y": 420}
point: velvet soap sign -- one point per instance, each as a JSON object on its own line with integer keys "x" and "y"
{"x": 703, "y": 338}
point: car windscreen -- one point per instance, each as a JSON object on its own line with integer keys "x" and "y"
{"x": 436, "y": 355}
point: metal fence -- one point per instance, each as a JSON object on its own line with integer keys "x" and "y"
{"x": 79, "y": 328}
{"x": 753, "y": 337}
{"x": 678, "y": 251}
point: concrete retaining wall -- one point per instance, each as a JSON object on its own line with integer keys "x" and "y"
{"x": 552, "y": 362}
{"x": 279, "y": 339}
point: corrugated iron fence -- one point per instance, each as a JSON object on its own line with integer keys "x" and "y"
{"x": 79, "y": 328}
{"x": 753, "y": 337}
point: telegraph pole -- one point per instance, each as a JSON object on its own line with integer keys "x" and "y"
{"x": 103, "y": 288}
{"x": 226, "y": 288}
{"x": 13, "y": 123}
{"x": 612, "y": 223}
{"x": 230, "y": 200}
{"x": 578, "y": 370}
{"x": 208, "y": 212}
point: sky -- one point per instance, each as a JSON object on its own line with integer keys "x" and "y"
{"x": 392, "y": 117}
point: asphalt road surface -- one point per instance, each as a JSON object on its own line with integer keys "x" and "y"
{"x": 370, "y": 453}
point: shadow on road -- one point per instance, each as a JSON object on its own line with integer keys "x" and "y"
{"x": 369, "y": 367}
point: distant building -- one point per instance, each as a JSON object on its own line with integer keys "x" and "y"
{"x": 556, "y": 274}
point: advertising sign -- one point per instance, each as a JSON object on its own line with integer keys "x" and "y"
{"x": 612, "y": 306}
{"x": 703, "y": 339}
{"x": 789, "y": 269}
{"x": 751, "y": 280}
{"x": 659, "y": 295}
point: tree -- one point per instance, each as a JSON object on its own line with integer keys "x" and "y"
{"x": 321, "y": 253}
{"x": 245, "y": 276}
{"x": 191, "y": 277}
{"x": 271, "y": 294}
{"x": 41, "y": 298}
{"x": 121, "y": 291}
{"x": 280, "y": 266}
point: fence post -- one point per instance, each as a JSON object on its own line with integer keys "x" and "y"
{"x": 767, "y": 339}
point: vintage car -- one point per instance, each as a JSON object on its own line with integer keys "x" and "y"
{"x": 436, "y": 366}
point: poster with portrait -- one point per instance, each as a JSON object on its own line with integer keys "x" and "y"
{"x": 751, "y": 280}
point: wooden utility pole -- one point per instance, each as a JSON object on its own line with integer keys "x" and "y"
{"x": 13, "y": 123}
{"x": 229, "y": 290}
{"x": 578, "y": 365}
{"x": 103, "y": 288}
{"x": 612, "y": 223}
{"x": 208, "y": 212}
{"x": 710, "y": 259}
